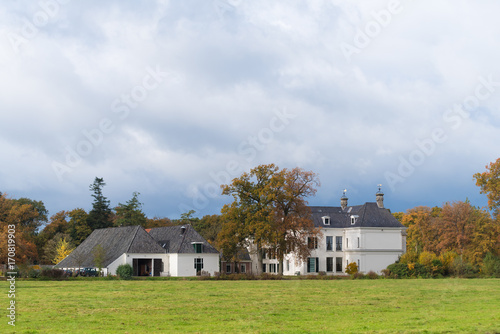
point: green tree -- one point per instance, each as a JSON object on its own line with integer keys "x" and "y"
{"x": 130, "y": 214}
{"x": 78, "y": 227}
{"x": 99, "y": 254}
{"x": 100, "y": 215}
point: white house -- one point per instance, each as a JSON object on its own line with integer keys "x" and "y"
{"x": 161, "y": 251}
{"x": 367, "y": 234}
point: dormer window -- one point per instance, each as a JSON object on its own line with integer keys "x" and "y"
{"x": 198, "y": 247}
{"x": 326, "y": 220}
{"x": 354, "y": 219}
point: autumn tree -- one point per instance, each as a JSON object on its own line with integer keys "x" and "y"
{"x": 50, "y": 250}
{"x": 131, "y": 213}
{"x": 78, "y": 227}
{"x": 489, "y": 182}
{"x": 422, "y": 225}
{"x": 270, "y": 210}
{"x": 27, "y": 216}
{"x": 100, "y": 215}
{"x": 63, "y": 249}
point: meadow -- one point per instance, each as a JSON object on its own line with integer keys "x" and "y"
{"x": 286, "y": 306}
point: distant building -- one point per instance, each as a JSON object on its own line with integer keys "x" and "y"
{"x": 367, "y": 234}
{"x": 161, "y": 251}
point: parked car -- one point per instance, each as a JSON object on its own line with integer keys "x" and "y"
{"x": 89, "y": 272}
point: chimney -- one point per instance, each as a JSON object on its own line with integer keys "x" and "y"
{"x": 183, "y": 229}
{"x": 380, "y": 197}
{"x": 343, "y": 200}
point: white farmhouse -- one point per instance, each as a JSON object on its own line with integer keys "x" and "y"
{"x": 160, "y": 251}
{"x": 367, "y": 234}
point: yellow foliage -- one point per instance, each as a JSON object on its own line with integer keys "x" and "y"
{"x": 63, "y": 249}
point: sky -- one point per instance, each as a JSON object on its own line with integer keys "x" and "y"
{"x": 171, "y": 99}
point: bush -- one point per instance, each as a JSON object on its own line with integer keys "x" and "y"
{"x": 461, "y": 268}
{"x": 491, "y": 265}
{"x": 358, "y": 275}
{"x": 125, "y": 271}
{"x": 33, "y": 273}
{"x": 372, "y": 275}
{"x": 53, "y": 274}
{"x": 351, "y": 268}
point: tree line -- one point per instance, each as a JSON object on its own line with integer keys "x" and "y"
{"x": 269, "y": 210}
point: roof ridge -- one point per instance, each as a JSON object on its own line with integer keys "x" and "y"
{"x": 132, "y": 241}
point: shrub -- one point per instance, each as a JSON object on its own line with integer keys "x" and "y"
{"x": 351, "y": 268}
{"x": 33, "y": 273}
{"x": 397, "y": 270}
{"x": 358, "y": 275}
{"x": 409, "y": 257}
{"x": 53, "y": 274}
{"x": 372, "y": 275}
{"x": 124, "y": 271}
{"x": 463, "y": 268}
{"x": 491, "y": 265}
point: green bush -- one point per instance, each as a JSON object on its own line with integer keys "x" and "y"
{"x": 33, "y": 273}
{"x": 491, "y": 265}
{"x": 463, "y": 268}
{"x": 124, "y": 271}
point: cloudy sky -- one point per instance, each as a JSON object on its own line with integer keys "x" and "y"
{"x": 173, "y": 98}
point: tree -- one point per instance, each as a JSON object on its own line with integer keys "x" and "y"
{"x": 99, "y": 257}
{"x": 270, "y": 211}
{"x": 63, "y": 249}
{"x": 78, "y": 227}
{"x": 100, "y": 215}
{"x": 130, "y": 214}
{"x": 489, "y": 182}
{"x": 50, "y": 249}
{"x": 27, "y": 216}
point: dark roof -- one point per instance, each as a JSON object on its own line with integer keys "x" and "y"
{"x": 115, "y": 241}
{"x": 369, "y": 215}
{"x": 177, "y": 241}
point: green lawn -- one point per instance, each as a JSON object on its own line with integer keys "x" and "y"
{"x": 289, "y": 306}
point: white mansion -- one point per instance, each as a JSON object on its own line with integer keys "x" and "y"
{"x": 367, "y": 234}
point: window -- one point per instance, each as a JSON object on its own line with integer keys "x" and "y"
{"x": 346, "y": 242}
{"x": 272, "y": 267}
{"x": 358, "y": 265}
{"x": 326, "y": 220}
{"x": 263, "y": 267}
{"x": 287, "y": 265}
{"x": 329, "y": 264}
{"x": 198, "y": 264}
{"x": 338, "y": 242}
{"x": 354, "y": 219}
{"x": 329, "y": 243}
{"x": 228, "y": 268}
{"x": 312, "y": 265}
{"x": 338, "y": 264}
{"x": 312, "y": 243}
{"x": 243, "y": 268}
{"x": 198, "y": 247}
{"x": 358, "y": 242}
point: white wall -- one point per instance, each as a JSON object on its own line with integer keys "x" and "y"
{"x": 182, "y": 265}
{"x": 128, "y": 258}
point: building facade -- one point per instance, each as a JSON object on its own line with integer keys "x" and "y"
{"x": 367, "y": 234}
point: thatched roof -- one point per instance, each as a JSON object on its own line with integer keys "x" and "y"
{"x": 180, "y": 239}
{"x": 115, "y": 241}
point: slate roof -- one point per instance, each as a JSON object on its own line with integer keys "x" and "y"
{"x": 115, "y": 241}
{"x": 177, "y": 241}
{"x": 369, "y": 215}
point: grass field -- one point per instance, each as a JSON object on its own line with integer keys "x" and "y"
{"x": 288, "y": 306}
